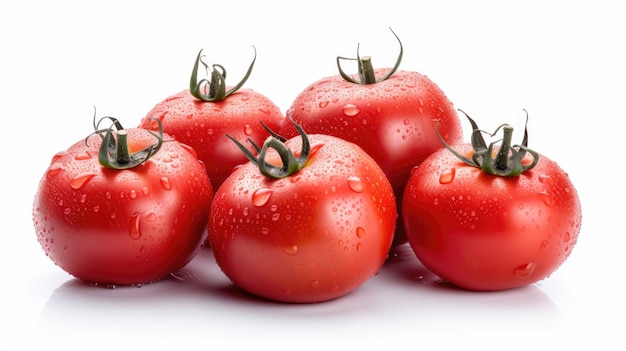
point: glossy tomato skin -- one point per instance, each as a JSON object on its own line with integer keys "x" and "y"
{"x": 204, "y": 126}
{"x": 484, "y": 232}
{"x": 393, "y": 120}
{"x": 122, "y": 227}
{"x": 310, "y": 237}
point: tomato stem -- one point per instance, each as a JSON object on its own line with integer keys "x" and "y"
{"x": 115, "y": 154}
{"x": 366, "y": 69}
{"x": 290, "y": 163}
{"x": 508, "y": 159}
{"x": 214, "y": 89}
{"x": 123, "y": 154}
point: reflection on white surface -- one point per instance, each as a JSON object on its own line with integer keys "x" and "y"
{"x": 199, "y": 304}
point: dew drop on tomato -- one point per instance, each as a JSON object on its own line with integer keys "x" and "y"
{"x": 360, "y": 232}
{"x": 447, "y": 176}
{"x": 544, "y": 178}
{"x": 355, "y": 183}
{"x": 290, "y": 250}
{"x": 525, "y": 270}
{"x": 547, "y": 198}
{"x": 134, "y": 229}
{"x": 165, "y": 183}
{"x": 83, "y": 156}
{"x": 54, "y": 170}
{"x": 567, "y": 237}
{"x": 247, "y": 130}
{"x": 351, "y": 110}
{"x": 80, "y": 180}
{"x": 261, "y": 196}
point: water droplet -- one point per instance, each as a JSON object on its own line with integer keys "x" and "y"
{"x": 447, "y": 176}
{"x": 190, "y": 149}
{"x": 359, "y": 246}
{"x": 54, "y": 169}
{"x": 544, "y": 244}
{"x": 247, "y": 130}
{"x": 351, "y": 110}
{"x": 133, "y": 194}
{"x": 355, "y": 184}
{"x": 165, "y": 183}
{"x": 79, "y": 181}
{"x": 275, "y": 217}
{"x": 82, "y": 156}
{"x": 135, "y": 230}
{"x": 291, "y": 249}
{"x": 360, "y": 232}
{"x": 261, "y": 196}
{"x": 547, "y": 198}
{"x": 525, "y": 270}
{"x": 315, "y": 284}
{"x": 145, "y": 191}
{"x": 265, "y": 230}
{"x": 323, "y": 104}
{"x": 544, "y": 178}
{"x": 567, "y": 237}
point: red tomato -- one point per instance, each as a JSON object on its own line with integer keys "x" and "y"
{"x": 483, "y": 231}
{"x": 131, "y": 225}
{"x": 311, "y": 236}
{"x": 390, "y": 114}
{"x": 203, "y": 115}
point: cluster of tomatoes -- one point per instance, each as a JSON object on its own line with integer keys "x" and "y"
{"x": 305, "y": 206}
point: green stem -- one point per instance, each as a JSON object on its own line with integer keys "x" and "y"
{"x": 123, "y": 154}
{"x": 501, "y": 161}
{"x": 366, "y": 70}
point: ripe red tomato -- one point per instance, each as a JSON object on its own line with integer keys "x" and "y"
{"x": 131, "y": 224}
{"x": 203, "y": 115}
{"x": 309, "y": 236}
{"x": 509, "y": 224}
{"x": 390, "y": 114}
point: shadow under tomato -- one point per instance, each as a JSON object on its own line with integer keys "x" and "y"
{"x": 527, "y": 307}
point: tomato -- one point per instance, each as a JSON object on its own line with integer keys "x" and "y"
{"x": 311, "y": 230}
{"x": 390, "y": 114}
{"x": 123, "y": 210}
{"x": 204, "y": 114}
{"x": 491, "y": 217}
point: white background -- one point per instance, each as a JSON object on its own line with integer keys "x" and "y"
{"x": 562, "y": 61}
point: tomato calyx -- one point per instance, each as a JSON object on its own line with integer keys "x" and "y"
{"x": 508, "y": 159}
{"x": 115, "y": 154}
{"x": 214, "y": 89}
{"x": 365, "y": 67}
{"x": 290, "y": 163}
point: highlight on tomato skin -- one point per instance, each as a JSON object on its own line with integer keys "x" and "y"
{"x": 491, "y": 230}
{"x": 115, "y": 224}
{"x": 311, "y": 236}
